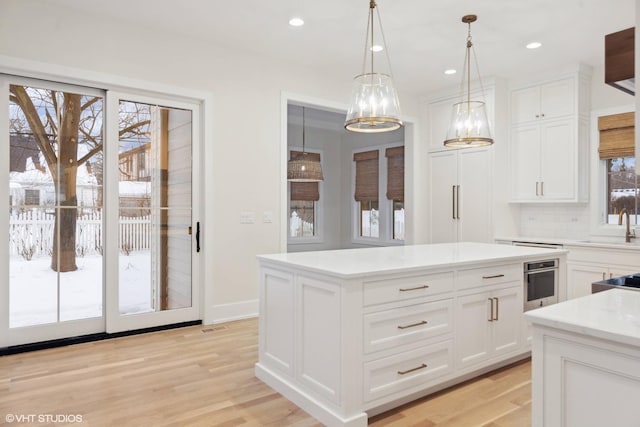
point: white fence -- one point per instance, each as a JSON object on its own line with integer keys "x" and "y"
{"x": 31, "y": 233}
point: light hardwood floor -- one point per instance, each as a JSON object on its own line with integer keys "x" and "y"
{"x": 203, "y": 376}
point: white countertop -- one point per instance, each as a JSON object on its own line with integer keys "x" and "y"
{"x": 357, "y": 262}
{"x": 594, "y": 242}
{"x": 612, "y": 315}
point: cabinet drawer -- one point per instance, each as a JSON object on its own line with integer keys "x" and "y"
{"x": 404, "y": 288}
{"x": 417, "y": 367}
{"x": 393, "y": 328}
{"x": 486, "y": 276}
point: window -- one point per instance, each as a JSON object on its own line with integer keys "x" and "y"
{"x": 32, "y": 197}
{"x": 367, "y": 192}
{"x": 622, "y": 189}
{"x": 303, "y": 199}
{"x": 395, "y": 189}
{"x": 380, "y": 216}
{"x": 616, "y": 150}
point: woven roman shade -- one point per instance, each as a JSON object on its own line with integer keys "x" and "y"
{"x": 366, "y": 176}
{"x": 617, "y": 136}
{"x": 395, "y": 173}
{"x": 305, "y": 190}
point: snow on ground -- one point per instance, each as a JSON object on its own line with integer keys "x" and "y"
{"x": 33, "y": 288}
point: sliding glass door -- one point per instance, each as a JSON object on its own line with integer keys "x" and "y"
{"x": 100, "y": 215}
{"x": 152, "y": 212}
{"x": 54, "y": 189}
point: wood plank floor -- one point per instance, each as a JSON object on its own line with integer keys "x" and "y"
{"x": 203, "y": 376}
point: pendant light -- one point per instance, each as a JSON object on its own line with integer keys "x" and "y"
{"x": 304, "y": 167}
{"x": 469, "y": 124}
{"x": 374, "y": 102}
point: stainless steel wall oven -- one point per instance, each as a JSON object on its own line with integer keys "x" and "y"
{"x": 540, "y": 283}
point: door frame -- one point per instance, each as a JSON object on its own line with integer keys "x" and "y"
{"x": 93, "y": 79}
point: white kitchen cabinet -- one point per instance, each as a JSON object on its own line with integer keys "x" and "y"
{"x": 549, "y": 100}
{"x": 586, "y": 361}
{"x": 348, "y": 334}
{"x": 460, "y": 195}
{"x": 580, "y": 276}
{"x": 550, "y": 141}
{"x": 492, "y": 322}
{"x": 586, "y": 265}
{"x": 547, "y": 150}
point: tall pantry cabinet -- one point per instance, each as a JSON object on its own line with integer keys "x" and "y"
{"x": 461, "y": 181}
{"x": 460, "y": 195}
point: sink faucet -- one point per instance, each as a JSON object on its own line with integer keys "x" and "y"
{"x": 628, "y": 235}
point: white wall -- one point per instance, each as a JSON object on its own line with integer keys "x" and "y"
{"x": 246, "y": 116}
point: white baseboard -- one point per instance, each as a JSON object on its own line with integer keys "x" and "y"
{"x": 229, "y": 312}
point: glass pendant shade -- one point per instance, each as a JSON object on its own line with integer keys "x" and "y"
{"x": 374, "y": 105}
{"x": 469, "y": 126}
{"x": 304, "y": 167}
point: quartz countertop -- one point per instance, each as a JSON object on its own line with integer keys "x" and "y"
{"x": 347, "y": 263}
{"x": 612, "y": 315}
{"x": 593, "y": 242}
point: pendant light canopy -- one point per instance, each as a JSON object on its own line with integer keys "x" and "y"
{"x": 374, "y": 102}
{"x": 469, "y": 124}
{"x": 304, "y": 167}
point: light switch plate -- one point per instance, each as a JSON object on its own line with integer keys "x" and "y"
{"x": 247, "y": 217}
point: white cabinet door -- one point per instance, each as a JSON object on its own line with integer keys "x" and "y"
{"x": 557, "y": 160}
{"x": 506, "y": 328}
{"x": 443, "y": 170}
{"x": 525, "y": 156}
{"x": 488, "y": 324}
{"x": 460, "y": 195}
{"x": 475, "y": 177}
{"x": 473, "y": 329}
{"x": 525, "y": 105}
{"x": 557, "y": 99}
{"x": 580, "y": 277}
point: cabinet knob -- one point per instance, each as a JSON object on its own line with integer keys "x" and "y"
{"x": 537, "y": 116}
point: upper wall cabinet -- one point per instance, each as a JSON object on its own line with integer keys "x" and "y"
{"x": 549, "y": 140}
{"x": 546, "y": 101}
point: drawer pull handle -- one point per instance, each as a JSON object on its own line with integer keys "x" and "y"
{"x": 495, "y": 276}
{"x": 422, "y": 366}
{"x": 414, "y": 289}
{"x": 424, "y": 322}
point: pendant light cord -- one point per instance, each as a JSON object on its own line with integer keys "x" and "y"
{"x": 303, "y": 152}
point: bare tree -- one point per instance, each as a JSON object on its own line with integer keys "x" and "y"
{"x": 59, "y": 122}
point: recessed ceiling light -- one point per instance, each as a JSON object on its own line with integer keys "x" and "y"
{"x": 296, "y": 22}
{"x": 376, "y": 48}
{"x": 534, "y": 45}
{"x": 450, "y": 71}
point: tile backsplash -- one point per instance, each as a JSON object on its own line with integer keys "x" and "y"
{"x": 561, "y": 221}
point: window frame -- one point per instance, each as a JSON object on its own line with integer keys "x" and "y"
{"x": 385, "y": 206}
{"x": 318, "y": 207}
{"x": 598, "y": 182}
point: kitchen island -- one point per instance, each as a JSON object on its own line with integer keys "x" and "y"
{"x": 586, "y": 361}
{"x": 347, "y": 334}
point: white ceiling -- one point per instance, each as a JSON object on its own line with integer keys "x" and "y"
{"x": 424, "y": 37}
